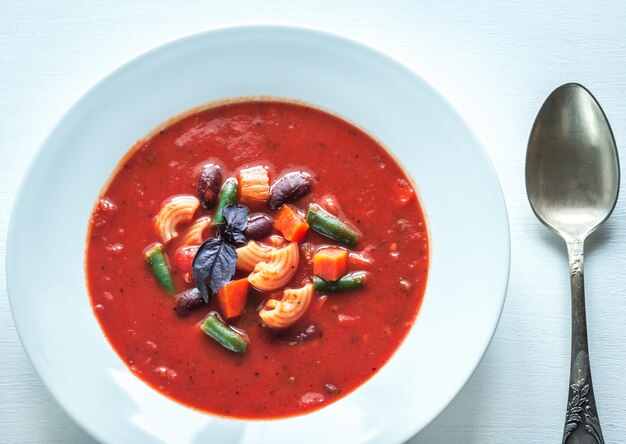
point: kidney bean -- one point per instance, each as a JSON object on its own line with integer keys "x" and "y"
{"x": 259, "y": 226}
{"x": 288, "y": 188}
{"x": 209, "y": 185}
{"x": 187, "y": 301}
{"x": 293, "y": 338}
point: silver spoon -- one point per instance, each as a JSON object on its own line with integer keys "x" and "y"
{"x": 572, "y": 181}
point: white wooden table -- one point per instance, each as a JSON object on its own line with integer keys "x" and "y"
{"x": 495, "y": 61}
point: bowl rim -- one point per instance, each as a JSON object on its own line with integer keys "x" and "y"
{"x": 408, "y": 431}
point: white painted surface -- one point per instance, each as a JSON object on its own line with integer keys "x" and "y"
{"x": 495, "y": 61}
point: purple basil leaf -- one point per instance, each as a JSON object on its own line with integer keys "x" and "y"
{"x": 239, "y": 238}
{"x": 233, "y": 236}
{"x": 236, "y": 216}
{"x": 213, "y": 266}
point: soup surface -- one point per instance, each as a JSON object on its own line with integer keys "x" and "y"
{"x": 341, "y": 338}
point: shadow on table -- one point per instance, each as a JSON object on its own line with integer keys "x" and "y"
{"x": 456, "y": 418}
{"x": 459, "y": 422}
{"x": 594, "y": 241}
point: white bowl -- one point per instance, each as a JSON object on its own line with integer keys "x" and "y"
{"x": 457, "y": 184}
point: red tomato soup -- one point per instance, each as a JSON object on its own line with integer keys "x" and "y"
{"x": 303, "y": 306}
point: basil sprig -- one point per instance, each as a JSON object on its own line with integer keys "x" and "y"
{"x": 214, "y": 263}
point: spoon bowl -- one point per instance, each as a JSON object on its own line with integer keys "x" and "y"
{"x": 572, "y": 182}
{"x": 572, "y": 168}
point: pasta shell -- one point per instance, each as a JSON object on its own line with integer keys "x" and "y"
{"x": 255, "y": 184}
{"x": 193, "y": 235}
{"x": 278, "y": 270}
{"x": 291, "y": 306}
{"x": 174, "y": 211}
{"x": 251, "y": 254}
{"x": 277, "y": 241}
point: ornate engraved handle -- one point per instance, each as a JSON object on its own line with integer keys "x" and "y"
{"x": 582, "y": 425}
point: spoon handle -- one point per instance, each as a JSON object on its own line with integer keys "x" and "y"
{"x": 582, "y": 425}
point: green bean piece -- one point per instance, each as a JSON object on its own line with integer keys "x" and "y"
{"x": 350, "y": 281}
{"x": 325, "y": 223}
{"x": 228, "y": 195}
{"x": 156, "y": 259}
{"x": 222, "y": 333}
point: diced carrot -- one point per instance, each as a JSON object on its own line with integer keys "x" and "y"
{"x": 254, "y": 183}
{"x": 330, "y": 263}
{"x": 232, "y": 298}
{"x": 291, "y": 224}
{"x": 403, "y": 191}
